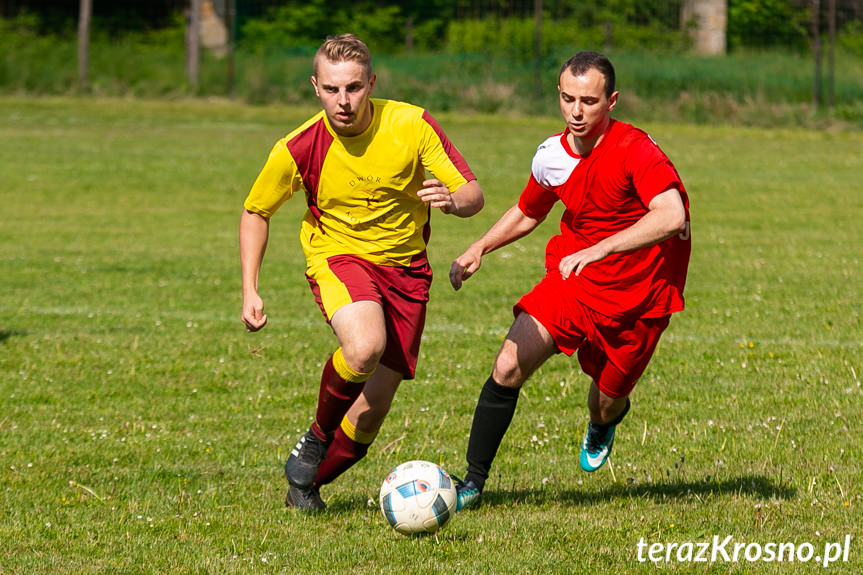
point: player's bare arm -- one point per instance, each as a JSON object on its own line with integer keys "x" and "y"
{"x": 511, "y": 226}
{"x": 254, "y": 232}
{"x": 665, "y": 218}
{"x": 464, "y": 202}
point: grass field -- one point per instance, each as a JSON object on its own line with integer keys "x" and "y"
{"x": 144, "y": 431}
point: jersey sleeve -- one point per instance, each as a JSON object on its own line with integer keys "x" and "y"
{"x": 277, "y": 182}
{"x": 536, "y": 201}
{"x": 440, "y": 157}
{"x": 650, "y": 169}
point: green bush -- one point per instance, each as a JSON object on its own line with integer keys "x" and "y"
{"x": 765, "y": 24}
{"x": 429, "y": 34}
{"x": 289, "y": 26}
{"x": 515, "y": 37}
{"x": 850, "y": 39}
{"x": 31, "y": 62}
{"x": 651, "y": 38}
{"x": 304, "y": 24}
{"x": 147, "y": 63}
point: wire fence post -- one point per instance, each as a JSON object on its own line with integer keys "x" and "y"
{"x": 537, "y": 48}
{"x": 85, "y": 11}
{"x": 193, "y": 45}
{"x": 409, "y": 34}
{"x": 816, "y": 52}
{"x": 831, "y": 43}
{"x": 231, "y": 26}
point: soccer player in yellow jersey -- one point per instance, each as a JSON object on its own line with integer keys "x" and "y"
{"x": 361, "y": 164}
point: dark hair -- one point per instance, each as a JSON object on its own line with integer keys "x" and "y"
{"x": 584, "y": 61}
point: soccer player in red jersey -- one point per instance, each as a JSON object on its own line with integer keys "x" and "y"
{"x": 614, "y": 274}
{"x": 361, "y": 164}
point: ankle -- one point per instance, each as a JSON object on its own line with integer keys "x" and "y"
{"x": 602, "y": 418}
{"x": 321, "y": 434}
{"x": 477, "y": 480}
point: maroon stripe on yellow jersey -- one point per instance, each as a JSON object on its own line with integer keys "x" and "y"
{"x": 309, "y": 148}
{"x": 427, "y": 228}
{"x": 454, "y": 155}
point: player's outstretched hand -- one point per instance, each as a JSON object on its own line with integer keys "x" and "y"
{"x": 253, "y": 313}
{"x": 464, "y": 266}
{"x": 437, "y": 195}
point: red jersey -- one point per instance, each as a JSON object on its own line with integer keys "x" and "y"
{"x": 605, "y": 192}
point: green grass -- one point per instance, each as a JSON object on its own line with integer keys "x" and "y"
{"x": 143, "y": 431}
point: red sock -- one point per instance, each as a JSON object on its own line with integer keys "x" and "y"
{"x": 343, "y": 452}
{"x": 336, "y": 395}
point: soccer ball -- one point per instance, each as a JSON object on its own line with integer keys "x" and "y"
{"x": 418, "y": 497}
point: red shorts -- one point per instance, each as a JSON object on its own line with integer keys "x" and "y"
{"x": 613, "y": 352}
{"x": 403, "y": 292}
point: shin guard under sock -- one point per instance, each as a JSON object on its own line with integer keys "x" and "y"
{"x": 491, "y": 419}
{"x": 340, "y": 386}
{"x": 349, "y": 445}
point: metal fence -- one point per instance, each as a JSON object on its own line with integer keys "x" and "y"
{"x": 706, "y": 27}
{"x": 527, "y": 29}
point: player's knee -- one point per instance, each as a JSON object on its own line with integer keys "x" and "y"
{"x": 507, "y": 371}
{"x": 363, "y": 356}
{"x": 363, "y": 359}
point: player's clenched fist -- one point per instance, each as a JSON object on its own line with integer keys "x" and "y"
{"x": 253, "y": 313}
{"x": 464, "y": 266}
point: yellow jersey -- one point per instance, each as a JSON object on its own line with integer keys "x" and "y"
{"x": 361, "y": 190}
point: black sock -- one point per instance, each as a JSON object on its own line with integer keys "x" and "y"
{"x": 491, "y": 419}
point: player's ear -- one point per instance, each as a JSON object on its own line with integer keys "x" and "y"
{"x": 372, "y": 81}
{"x": 314, "y": 81}
{"x": 612, "y": 100}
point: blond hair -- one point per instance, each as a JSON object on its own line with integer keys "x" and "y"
{"x": 344, "y": 48}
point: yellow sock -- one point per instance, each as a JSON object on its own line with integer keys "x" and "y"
{"x": 357, "y": 435}
{"x": 344, "y": 370}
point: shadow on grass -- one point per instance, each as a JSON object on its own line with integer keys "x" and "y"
{"x": 756, "y": 486}
{"x": 7, "y": 333}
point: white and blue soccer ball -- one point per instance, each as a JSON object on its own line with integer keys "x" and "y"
{"x": 418, "y": 497}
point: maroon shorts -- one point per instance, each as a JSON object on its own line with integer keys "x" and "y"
{"x": 614, "y": 352}
{"x": 402, "y": 292}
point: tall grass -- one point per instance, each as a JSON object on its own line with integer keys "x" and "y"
{"x": 758, "y": 88}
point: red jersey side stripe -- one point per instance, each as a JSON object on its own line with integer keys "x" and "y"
{"x": 455, "y": 157}
{"x": 309, "y": 148}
